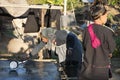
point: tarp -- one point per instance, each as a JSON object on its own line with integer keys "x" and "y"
{"x": 15, "y": 11}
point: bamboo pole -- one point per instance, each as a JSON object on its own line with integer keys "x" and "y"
{"x": 65, "y": 7}
{"x": 31, "y": 6}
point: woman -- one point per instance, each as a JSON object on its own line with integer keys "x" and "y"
{"x": 98, "y": 45}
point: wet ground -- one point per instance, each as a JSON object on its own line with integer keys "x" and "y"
{"x": 37, "y": 70}
{"x": 31, "y": 70}
{"x": 115, "y": 68}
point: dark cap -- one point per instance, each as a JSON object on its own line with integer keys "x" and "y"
{"x": 61, "y": 36}
{"x": 97, "y": 11}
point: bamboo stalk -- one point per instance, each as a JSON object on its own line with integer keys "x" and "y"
{"x": 31, "y": 6}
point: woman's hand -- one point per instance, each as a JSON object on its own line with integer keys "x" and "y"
{"x": 45, "y": 40}
{"x": 110, "y": 55}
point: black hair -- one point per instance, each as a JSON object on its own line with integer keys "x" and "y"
{"x": 103, "y": 2}
{"x": 97, "y": 10}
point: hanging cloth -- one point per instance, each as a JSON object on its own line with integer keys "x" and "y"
{"x": 31, "y": 24}
{"x": 68, "y": 20}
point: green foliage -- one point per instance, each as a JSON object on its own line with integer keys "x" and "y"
{"x": 75, "y": 3}
{"x": 117, "y": 50}
{"x": 60, "y": 2}
{"x": 113, "y": 2}
{"x": 72, "y": 4}
{"x": 55, "y": 2}
{"x": 36, "y": 1}
{"x": 110, "y": 18}
{"x": 1, "y": 52}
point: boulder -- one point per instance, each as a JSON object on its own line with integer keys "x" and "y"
{"x": 17, "y": 46}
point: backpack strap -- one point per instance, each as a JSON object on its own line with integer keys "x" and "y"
{"x": 94, "y": 40}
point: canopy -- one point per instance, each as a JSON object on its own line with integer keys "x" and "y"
{"x": 17, "y": 8}
{"x": 16, "y": 12}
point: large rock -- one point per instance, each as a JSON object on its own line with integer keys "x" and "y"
{"x": 17, "y": 46}
{"x": 117, "y": 71}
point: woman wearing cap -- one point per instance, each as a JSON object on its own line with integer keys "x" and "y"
{"x": 98, "y": 45}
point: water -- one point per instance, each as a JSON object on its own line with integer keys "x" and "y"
{"x": 31, "y": 70}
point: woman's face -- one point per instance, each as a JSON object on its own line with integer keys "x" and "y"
{"x": 104, "y": 18}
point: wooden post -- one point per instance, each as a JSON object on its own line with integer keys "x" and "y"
{"x": 42, "y": 17}
{"x": 65, "y": 6}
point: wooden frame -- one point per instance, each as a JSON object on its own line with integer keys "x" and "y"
{"x": 32, "y": 6}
